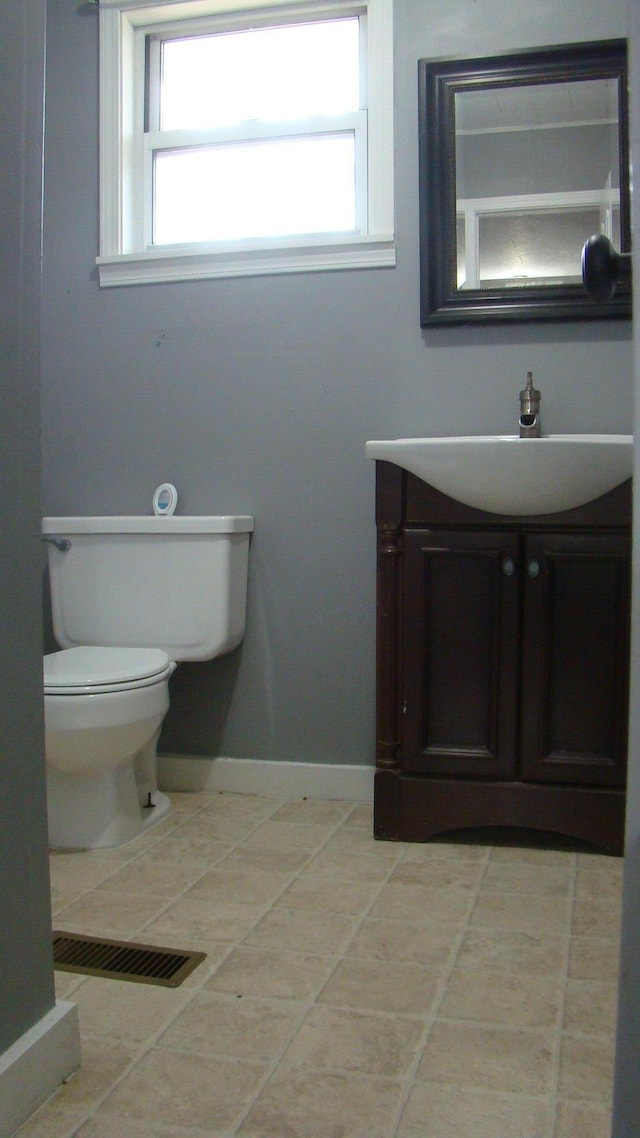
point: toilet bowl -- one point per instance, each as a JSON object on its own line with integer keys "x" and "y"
{"x": 130, "y": 597}
{"x": 103, "y": 712}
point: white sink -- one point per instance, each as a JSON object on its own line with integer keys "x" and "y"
{"x": 505, "y": 474}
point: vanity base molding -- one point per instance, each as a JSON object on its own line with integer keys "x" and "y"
{"x": 502, "y": 666}
{"x": 417, "y": 809}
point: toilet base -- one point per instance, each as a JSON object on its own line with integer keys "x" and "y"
{"x": 100, "y": 810}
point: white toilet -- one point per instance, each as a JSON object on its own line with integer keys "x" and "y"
{"x": 130, "y": 597}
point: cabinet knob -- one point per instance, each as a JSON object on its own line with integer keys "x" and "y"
{"x": 508, "y": 566}
{"x": 533, "y": 569}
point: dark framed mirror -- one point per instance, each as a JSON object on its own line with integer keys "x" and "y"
{"x": 522, "y": 159}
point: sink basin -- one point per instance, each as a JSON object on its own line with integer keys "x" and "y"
{"x": 505, "y": 474}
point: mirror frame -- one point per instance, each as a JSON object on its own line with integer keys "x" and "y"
{"x": 441, "y": 301}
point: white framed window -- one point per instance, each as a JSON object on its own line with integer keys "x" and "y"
{"x": 239, "y": 137}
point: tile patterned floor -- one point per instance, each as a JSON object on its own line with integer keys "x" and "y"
{"x": 352, "y": 988}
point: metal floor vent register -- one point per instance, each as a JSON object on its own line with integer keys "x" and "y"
{"x": 122, "y": 959}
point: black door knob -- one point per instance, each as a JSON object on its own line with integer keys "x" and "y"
{"x": 602, "y": 268}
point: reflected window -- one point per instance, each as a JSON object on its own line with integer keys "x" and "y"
{"x": 532, "y": 247}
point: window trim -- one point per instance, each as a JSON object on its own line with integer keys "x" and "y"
{"x": 122, "y": 263}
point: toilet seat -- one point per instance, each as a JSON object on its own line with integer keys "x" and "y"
{"x": 91, "y": 671}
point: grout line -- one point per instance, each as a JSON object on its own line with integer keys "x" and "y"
{"x": 150, "y": 841}
{"x": 555, "y": 1071}
{"x": 244, "y": 1114}
{"x": 151, "y": 1040}
{"x": 431, "y": 1017}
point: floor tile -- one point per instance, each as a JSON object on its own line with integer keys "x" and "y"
{"x": 597, "y": 916}
{"x": 301, "y": 931}
{"x": 511, "y": 1000}
{"x": 529, "y": 878}
{"x": 361, "y": 816}
{"x": 488, "y": 1058}
{"x": 240, "y": 886}
{"x": 331, "y": 862}
{"x": 441, "y": 874}
{"x": 175, "y": 1089}
{"x": 307, "y": 810}
{"x": 352, "y": 988}
{"x": 455, "y": 1112}
{"x": 110, "y": 1126}
{"x": 110, "y": 914}
{"x": 307, "y": 1104}
{"x": 599, "y": 877}
{"x": 389, "y": 987}
{"x": 432, "y": 945}
{"x": 241, "y": 806}
{"x": 591, "y": 1006}
{"x": 185, "y": 803}
{"x": 289, "y": 835}
{"x": 354, "y": 841}
{"x": 103, "y": 1065}
{"x": 532, "y": 855}
{"x": 594, "y": 958}
{"x": 527, "y": 953}
{"x": 245, "y": 1027}
{"x": 48, "y": 1122}
{"x": 195, "y": 846}
{"x": 284, "y": 861}
{"x": 445, "y": 851}
{"x": 422, "y": 902}
{"x": 514, "y": 910}
{"x": 582, "y": 1120}
{"x": 62, "y": 898}
{"x": 352, "y": 898}
{"x": 193, "y": 919}
{"x": 212, "y": 826}
{"x": 339, "y": 1039}
{"x": 586, "y": 1067}
{"x": 126, "y": 1012}
{"x": 272, "y": 972}
{"x": 66, "y": 984}
{"x": 79, "y": 872}
{"x": 148, "y": 874}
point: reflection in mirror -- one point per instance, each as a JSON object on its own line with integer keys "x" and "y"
{"x": 524, "y": 211}
{"x": 522, "y": 158}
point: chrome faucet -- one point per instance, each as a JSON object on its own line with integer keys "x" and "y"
{"x": 530, "y": 427}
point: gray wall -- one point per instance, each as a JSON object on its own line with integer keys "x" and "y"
{"x": 26, "y": 985}
{"x": 257, "y": 396}
{"x": 537, "y": 162}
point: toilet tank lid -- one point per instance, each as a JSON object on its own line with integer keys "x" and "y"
{"x": 197, "y": 523}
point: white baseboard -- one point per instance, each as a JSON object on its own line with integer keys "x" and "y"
{"x": 37, "y": 1063}
{"x": 347, "y": 782}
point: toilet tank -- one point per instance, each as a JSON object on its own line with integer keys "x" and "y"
{"x": 177, "y": 583}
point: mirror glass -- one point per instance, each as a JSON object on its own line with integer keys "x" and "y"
{"x": 524, "y": 159}
{"x": 524, "y": 211}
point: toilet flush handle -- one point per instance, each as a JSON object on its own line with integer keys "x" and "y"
{"x": 61, "y": 543}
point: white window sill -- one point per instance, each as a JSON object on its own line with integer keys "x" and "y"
{"x": 187, "y": 263}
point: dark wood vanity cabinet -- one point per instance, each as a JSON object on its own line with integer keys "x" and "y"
{"x": 502, "y": 675}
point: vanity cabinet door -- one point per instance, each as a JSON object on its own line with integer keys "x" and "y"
{"x": 460, "y": 653}
{"x": 575, "y": 658}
